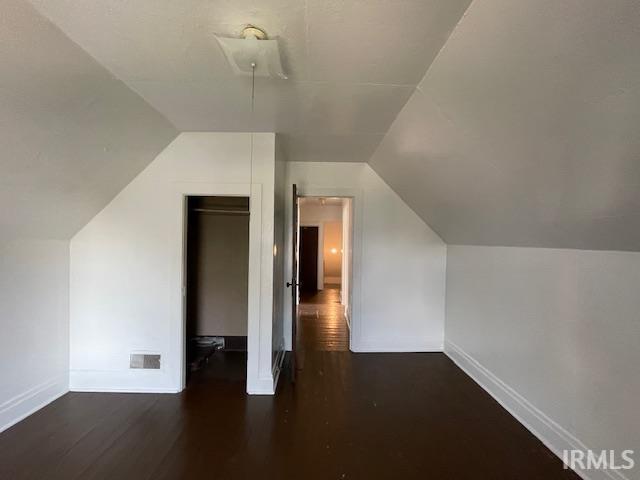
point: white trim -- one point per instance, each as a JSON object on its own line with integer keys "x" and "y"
{"x": 254, "y": 336}
{"x": 347, "y": 316}
{"x": 264, "y": 386}
{"x": 345, "y": 280}
{"x": 30, "y": 401}
{"x": 254, "y": 295}
{"x": 125, "y": 381}
{"x": 549, "y": 432}
{"x": 357, "y": 204}
{"x": 125, "y": 390}
{"x": 389, "y": 345}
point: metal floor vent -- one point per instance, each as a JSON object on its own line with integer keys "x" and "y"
{"x": 144, "y": 360}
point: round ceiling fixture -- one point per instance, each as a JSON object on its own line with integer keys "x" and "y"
{"x": 253, "y": 32}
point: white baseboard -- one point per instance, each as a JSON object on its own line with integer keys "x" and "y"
{"x": 347, "y": 316}
{"x": 263, "y": 386}
{"x": 29, "y": 402}
{"x": 126, "y": 381}
{"x": 390, "y": 345}
{"x": 555, "y": 437}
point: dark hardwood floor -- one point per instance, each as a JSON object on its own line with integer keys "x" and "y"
{"x": 349, "y": 416}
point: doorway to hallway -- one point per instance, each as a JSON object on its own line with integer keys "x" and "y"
{"x": 324, "y": 270}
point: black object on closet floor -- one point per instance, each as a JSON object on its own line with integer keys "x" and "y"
{"x": 202, "y": 348}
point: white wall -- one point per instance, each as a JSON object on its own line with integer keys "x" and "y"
{"x": 126, "y": 265}
{"x": 314, "y": 213}
{"x": 553, "y": 334}
{"x": 34, "y": 323}
{"x": 399, "y": 262}
{"x": 332, "y": 251}
{"x": 72, "y": 136}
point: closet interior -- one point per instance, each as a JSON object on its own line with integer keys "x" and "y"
{"x": 217, "y": 273}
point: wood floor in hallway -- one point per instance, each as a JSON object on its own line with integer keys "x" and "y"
{"x": 349, "y": 416}
{"x": 321, "y": 322}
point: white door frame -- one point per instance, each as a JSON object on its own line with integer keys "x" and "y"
{"x": 254, "y": 193}
{"x": 357, "y": 206}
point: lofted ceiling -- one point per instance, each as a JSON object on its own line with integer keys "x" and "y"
{"x": 525, "y": 131}
{"x": 72, "y": 135}
{"x": 498, "y": 122}
{"x": 352, "y": 64}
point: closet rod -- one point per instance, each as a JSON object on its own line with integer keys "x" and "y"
{"x": 225, "y": 212}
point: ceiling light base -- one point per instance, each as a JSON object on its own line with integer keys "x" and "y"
{"x": 253, "y": 54}
{"x": 251, "y": 32}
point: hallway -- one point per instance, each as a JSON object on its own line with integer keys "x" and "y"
{"x": 321, "y": 322}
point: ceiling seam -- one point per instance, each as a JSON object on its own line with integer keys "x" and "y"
{"x": 402, "y": 199}
{"x": 446, "y": 42}
{"x": 102, "y": 65}
{"x": 291, "y": 81}
{"x": 306, "y": 31}
{"x": 417, "y": 86}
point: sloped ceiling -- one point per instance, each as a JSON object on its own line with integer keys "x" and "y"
{"x": 72, "y": 135}
{"x": 525, "y": 131}
{"x": 352, "y": 63}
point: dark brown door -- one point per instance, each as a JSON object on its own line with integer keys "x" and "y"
{"x": 308, "y": 259}
{"x": 294, "y": 284}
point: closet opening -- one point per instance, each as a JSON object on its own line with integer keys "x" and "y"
{"x": 217, "y": 271}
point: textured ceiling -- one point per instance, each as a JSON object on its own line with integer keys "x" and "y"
{"x": 525, "y": 131}
{"x": 72, "y": 135}
{"x": 352, "y": 63}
